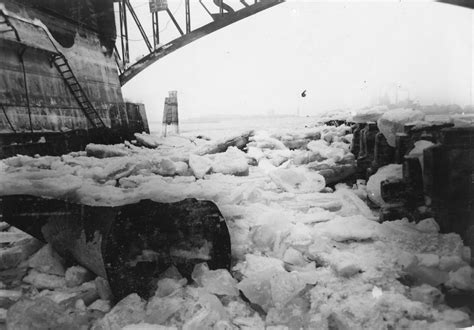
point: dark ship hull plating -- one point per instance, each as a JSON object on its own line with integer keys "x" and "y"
{"x": 38, "y": 111}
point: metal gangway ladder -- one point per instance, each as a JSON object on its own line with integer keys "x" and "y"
{"x": 60, "y": 62}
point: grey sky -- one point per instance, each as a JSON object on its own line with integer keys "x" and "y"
{"x": 343, "y": 53}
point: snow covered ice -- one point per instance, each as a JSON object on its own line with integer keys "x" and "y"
{"x": 392, "y": 121}
{"x": 304, "y": 255}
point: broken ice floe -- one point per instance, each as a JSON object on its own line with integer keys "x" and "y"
{"x": 304, "y": 255}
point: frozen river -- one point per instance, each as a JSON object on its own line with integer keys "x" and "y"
{"x": 304, "y": 255}
{"x": 224, "y": 127}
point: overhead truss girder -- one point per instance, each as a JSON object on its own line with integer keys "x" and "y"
{"x": 225, "y": 17}
{"x": 220, "y": 21}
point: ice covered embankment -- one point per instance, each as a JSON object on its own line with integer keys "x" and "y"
{"x": 305, "y": 255}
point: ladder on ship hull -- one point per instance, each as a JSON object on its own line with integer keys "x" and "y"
{"x": 63, "y": 67}
{"x": 8, "y": 25}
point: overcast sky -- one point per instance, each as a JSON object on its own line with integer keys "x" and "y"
{"x": 345, "y": 54}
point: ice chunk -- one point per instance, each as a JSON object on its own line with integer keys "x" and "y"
{"x": 43, "y": 313}
{"x": 451, "y": 263}
{"x": 298, "y": 180}
{"x": 389, "y": 172}
{"x": 326, "y": 201}
{"x": 19, "y": 252}
{"x": 272, "y": 287}
{"x": 395, "y": 306}
{"x": 428, "y": 275}
{"x": 165, "y": 167}
{"x": 44, "y": 183}
{"x": 265, "y": 237}
{"x": 160, "y": 309}
{"x": 263, "y": 140}
{"x": 237, "y": 307}
{"x": 265, "y": 165}
{"x": 348, "y": 228}
{"x": 322, "y": 148}
{"x": 9, "y": 297}
{"x": 44, "y": 281}
{"x": 278, "y": 160}
{"x": 258, "y": 272}
{"x": 249, "y": 323}
{"x": 255, "y": 264}
{"x": 321, "y": 247}
{"x": 147, "y": 140}
{"x": 299, "y": 236}
{"x": 218, "y": 281}
{"x": 208, "y": 301}
{"x": 255, "y": 153}
{"x": 104, "y": 195}
{"x": 461, "y": 279}
{"x": 270, "y": 230}
{"x": 345, "y": 264}
{"x": 315, "y": 214}
{"x": 393, "y": 121}
{"x": 184, "y": 307}
{"x": 103, "y": 288}
{"x": 334, "y": 173}
{"x": 294, "y": 257}
{"x": 369, "y": 114}
{"x": 405, "y": 259}
{"x": 417, "y": 151}
{"x": 80, "y": 305}
{"x": 205, "y": 319}
{"x": 342, "y": 145}
{"x": 233, "y": 161}
{"x": 147, "y": 326}
{"x": 181, "y": 168}
{"x": 76, "y": 275}
{"x": 347, "y": 268}
{"x": 116, "y": 169}
{"x": 129, "y": 310}
{"x": 456, "y": 317}
{"x": 427, "y": 294}
{"x": 284, "y": 287}
{"x": 199, "y": 165}
{"x": 244, "y": 193}
{"x": 105, "y": 151}
{"x": 167, "y": 286}
{"x": 238, "y": 140}
{"x": 175, "y": 141}
{"x": 46, "y": 260}
{"x": 63, "y": 296}
{"x": 352, "y": 204}
{"x": 377, "y": 292}
{"x": 101, "y": 305}
{"x": 428, "y": 225}
{"x": 257, "y": 288}
{"x": 306, "y": 157}
{"x": 428, "y": 259}
{"x": 308, "y": 274}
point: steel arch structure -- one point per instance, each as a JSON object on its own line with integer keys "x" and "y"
{"x": 226, "y": 16}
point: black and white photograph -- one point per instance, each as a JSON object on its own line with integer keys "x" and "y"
{"x": 236, "y": 164}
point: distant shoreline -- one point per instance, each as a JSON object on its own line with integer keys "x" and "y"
{"x": 431, "y": 110}
{"x": 221, "y": 118}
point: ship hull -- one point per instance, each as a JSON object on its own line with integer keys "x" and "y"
{"x": 37, "y": 108}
